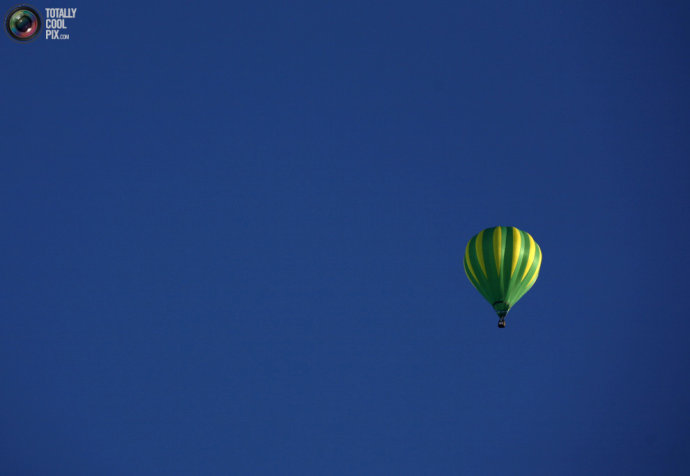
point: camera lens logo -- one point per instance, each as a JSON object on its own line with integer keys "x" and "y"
{"x": 23, "y": 23}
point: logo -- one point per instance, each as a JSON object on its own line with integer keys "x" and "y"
{"x": 57, "y": 20}
{"x": 23, "y": 23}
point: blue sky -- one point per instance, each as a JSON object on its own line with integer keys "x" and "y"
{"x": 232, "y": 240}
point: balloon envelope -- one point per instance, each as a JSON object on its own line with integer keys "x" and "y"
{"x": 502, "y": 263}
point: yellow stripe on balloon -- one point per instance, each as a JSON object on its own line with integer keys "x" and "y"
{"x": 480, "y": 252}
{"x": 532, "y": 247}
{"x": 469, "y": 262}
{"x": 516, "y": 250}
{"x": 497, "y": 249}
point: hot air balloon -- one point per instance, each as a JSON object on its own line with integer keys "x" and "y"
{"x": 502, "y": 263}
